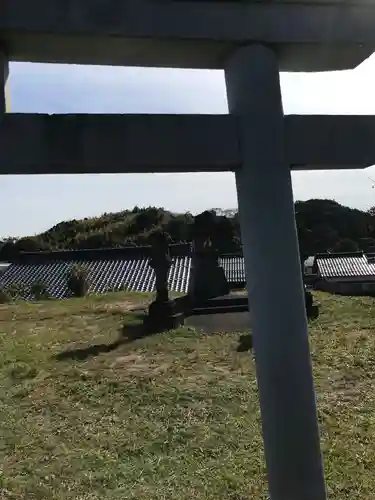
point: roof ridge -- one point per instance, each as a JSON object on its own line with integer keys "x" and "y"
{"x": 329, "y": 255}
{"x": 128, "y": 252}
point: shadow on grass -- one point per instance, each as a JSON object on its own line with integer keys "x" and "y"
{"x": 87, "y": 352}
{"x": 135, "y": 313}
{"x": 128, "y": 333}
{"x": 245, "y": 343}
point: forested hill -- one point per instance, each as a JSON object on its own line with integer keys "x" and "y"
{"x": 322, "y": 225}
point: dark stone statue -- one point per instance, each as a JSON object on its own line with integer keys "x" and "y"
{"x": 162, "y": 312}
{"x": 208, "y": 276}
{"x": 204, "y": 231}
{"x": 312, "y": 310}
{"x": 161, "y": 262}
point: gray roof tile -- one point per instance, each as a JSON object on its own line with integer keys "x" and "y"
{"x": 234, "y": 268}
{"x": 129, "y": 272}
{"x": 344, "y": 265}
{"x": 104, "y": 275}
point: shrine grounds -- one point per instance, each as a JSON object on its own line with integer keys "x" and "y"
{"x": 88, "y": 411}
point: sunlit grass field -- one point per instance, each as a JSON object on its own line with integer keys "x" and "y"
{"x": 89, "y": 412}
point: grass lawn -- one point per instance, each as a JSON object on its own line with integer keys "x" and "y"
{"x": 173, "y": 416}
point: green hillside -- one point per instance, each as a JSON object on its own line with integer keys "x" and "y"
{"x": 322, "y": 225}
{"x": 127, "y": 228}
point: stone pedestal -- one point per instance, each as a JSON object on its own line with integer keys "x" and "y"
{"x": 209, "y": 280}
{"x": 163, "y": 315}
{"x": 312, "y": 310}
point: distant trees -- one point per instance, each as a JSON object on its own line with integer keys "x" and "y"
{"x": 29, "y": 244}
{"x": 322, "y": 225}
{"x": 325, "y": 225}
{"x": 346, "y": 245}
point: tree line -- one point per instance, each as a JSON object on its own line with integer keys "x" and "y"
{"x": 323, "y": 225}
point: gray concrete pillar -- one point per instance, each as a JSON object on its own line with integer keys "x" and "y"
{"x": 274, "y": 281}
{"x": 4, "y": 73}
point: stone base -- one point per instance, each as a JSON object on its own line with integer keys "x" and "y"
{"x": 227, "y": 322}
{"x": 313, "y": 312}
{"x": 163, "y": 315}
{"x": 245, "y": 343}
{"x": 210, "y": 282}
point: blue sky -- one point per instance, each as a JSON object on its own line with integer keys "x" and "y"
{"x": 31, "y": 204}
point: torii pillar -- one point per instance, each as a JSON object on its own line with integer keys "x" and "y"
{"x": 274, "y": 280}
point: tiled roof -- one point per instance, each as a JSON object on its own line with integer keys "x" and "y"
{"x": 124, "y": 253}
{"x": 3, "y": 266}
{"x": 103, "y": 275}
{"x": 344, "y": 265}
{"x": 234, "y": 268}
{"x": 112, "y": 269}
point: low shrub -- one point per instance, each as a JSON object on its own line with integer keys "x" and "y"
{"x": 77, "y": 281}
{"x": 39, "y": 290}
{"x": 4, "y": 296}
{"x": 17, "y": 291}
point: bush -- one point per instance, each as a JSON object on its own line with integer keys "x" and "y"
{"x": 77, "y": 281}
{"x": 17, "y": 291}
{"x": 4, "y": 296}
{"x": 39, "y": 290}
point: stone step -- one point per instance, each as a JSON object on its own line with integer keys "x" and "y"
{"x": 222, "y": 301}
{"x": 220, "y": 309}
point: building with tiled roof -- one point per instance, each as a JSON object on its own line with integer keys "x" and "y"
{"x": 4, "y": 266}
{"x": 110, "y": 270}
{"x": 346, "y": 273}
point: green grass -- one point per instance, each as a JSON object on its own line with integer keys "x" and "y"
{"x": 172, "y": 416}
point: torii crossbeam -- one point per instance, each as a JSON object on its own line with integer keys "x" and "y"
{"x": 252, "y": 41}
{"x": 78, "y": 144}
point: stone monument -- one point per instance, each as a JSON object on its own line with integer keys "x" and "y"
{"x": 312, "y": 310}
{"x": 161, "y": 262}
{"x": 208, "y": 277}
{"x": 162, "y": 312}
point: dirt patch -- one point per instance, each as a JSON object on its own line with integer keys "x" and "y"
{"x": 123, "y": 306}
{"x": 220, "y": 322}
{"x": 127, "y": 360}
{"x": 135, "y": 365}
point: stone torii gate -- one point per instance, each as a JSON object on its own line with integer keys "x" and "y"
{"x": 252, "y": 41}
